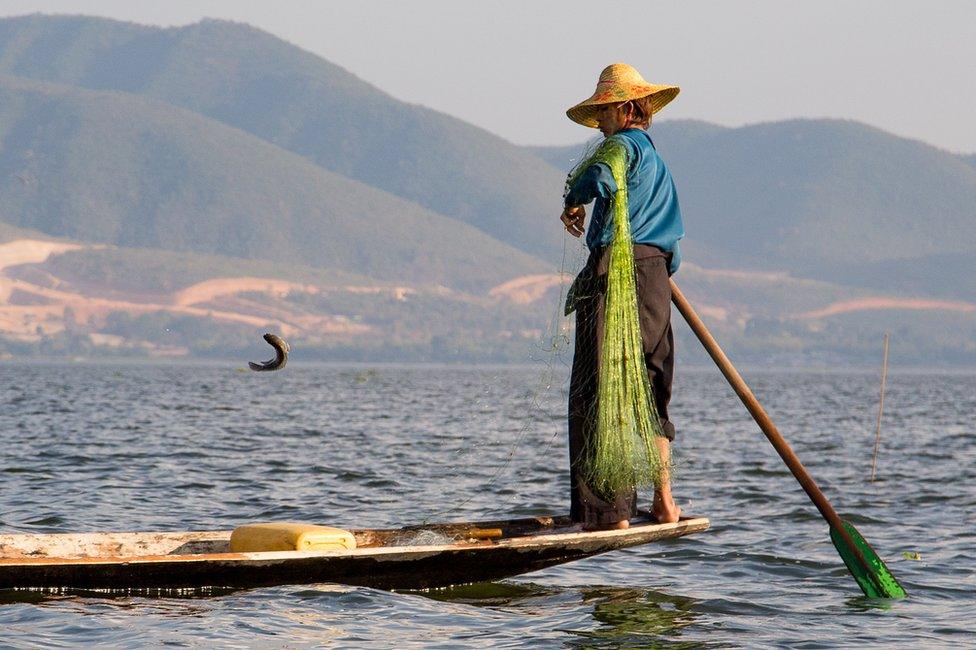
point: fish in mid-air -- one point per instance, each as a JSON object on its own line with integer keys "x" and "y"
{"x": 281, "y": 354}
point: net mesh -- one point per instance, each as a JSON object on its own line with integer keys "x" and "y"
{"x": 622, "y": 455}
{"x": 421, "y": 538}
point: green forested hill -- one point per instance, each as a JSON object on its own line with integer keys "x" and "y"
{"x": 153, "y": 271}
{"x": 120, "y": 169}
{"x": 807, "y": 193}
{"x": 951, "y": 275}
{"x": 10, "y": 233}
{"x": 254, "y": 81}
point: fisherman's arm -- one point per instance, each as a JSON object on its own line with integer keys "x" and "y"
{"x": 595, "y": 181}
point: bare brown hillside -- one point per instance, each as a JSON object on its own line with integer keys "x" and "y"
{"x": 51, "y": 304}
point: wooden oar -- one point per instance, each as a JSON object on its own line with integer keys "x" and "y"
{"x": 870, "y": 572}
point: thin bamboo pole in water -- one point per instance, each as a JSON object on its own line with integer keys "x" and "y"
{"x": 877, "y": 435}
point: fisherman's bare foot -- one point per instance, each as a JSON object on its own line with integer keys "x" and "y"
{"x": 620, "y": 525}
{"x": 665, "y": 510}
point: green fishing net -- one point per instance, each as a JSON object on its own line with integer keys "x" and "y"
{"x": 622, "y": 455}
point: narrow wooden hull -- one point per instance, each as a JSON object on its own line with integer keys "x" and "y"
{"x": 134, "y": 561}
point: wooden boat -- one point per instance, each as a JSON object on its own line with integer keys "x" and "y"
{"x": 415, "y": 557}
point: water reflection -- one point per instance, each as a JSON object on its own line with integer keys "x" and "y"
{"x": 866, "y": 604}
{"x": 502, "y": 594}
{"x": 119, "y": 596}
{"x": 621, "y": 616}
{"x": 632, "y": 617}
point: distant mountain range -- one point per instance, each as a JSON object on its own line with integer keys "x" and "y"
{"x": 162, "y": 173}
{"x": 271, "y": 89}
{"x": 120, "y": 169}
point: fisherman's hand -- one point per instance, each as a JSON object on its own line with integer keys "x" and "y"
{"x": 574, "y": 218}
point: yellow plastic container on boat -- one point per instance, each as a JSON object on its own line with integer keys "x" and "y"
{"x": 289, "y": 536}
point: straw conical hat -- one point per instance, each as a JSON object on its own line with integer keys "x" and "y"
{"x": 620, "y": 82}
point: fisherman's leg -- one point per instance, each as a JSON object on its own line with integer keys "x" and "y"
{"x": 603, "y": 514}
{"x": 663, "y": 507}
{"x": 587, "y": 507}
{"x": 660, "y": 370}
{"x": 654, "y": 298}
{"x": 582, "y": 398}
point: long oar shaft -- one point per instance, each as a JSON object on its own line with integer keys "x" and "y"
{"x": 763, "y": 420}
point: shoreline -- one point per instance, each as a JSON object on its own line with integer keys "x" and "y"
{"x": 694, "y": 368}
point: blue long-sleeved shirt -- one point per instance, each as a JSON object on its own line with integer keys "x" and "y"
{"x": 655, "y": 216}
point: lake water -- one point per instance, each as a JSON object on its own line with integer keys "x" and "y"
{"x": 101, "y": 447}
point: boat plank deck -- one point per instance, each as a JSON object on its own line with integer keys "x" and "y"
{"x": 202, "y": 558}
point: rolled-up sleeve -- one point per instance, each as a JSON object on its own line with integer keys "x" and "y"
{"x": 596, "y": 180}
{"x": 675, "y": 259}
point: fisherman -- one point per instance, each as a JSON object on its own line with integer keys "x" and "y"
{"x": 622, "y": 108}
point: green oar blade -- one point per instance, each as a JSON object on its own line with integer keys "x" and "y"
{"x": 875, "y": 580}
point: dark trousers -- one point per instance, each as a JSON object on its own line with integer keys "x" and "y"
{"x": 654, "y": 311}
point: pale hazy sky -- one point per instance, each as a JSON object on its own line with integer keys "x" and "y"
{"x": 513, "y": 67}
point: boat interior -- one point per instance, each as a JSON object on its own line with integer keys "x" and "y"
{"x": 88, "y": 545}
